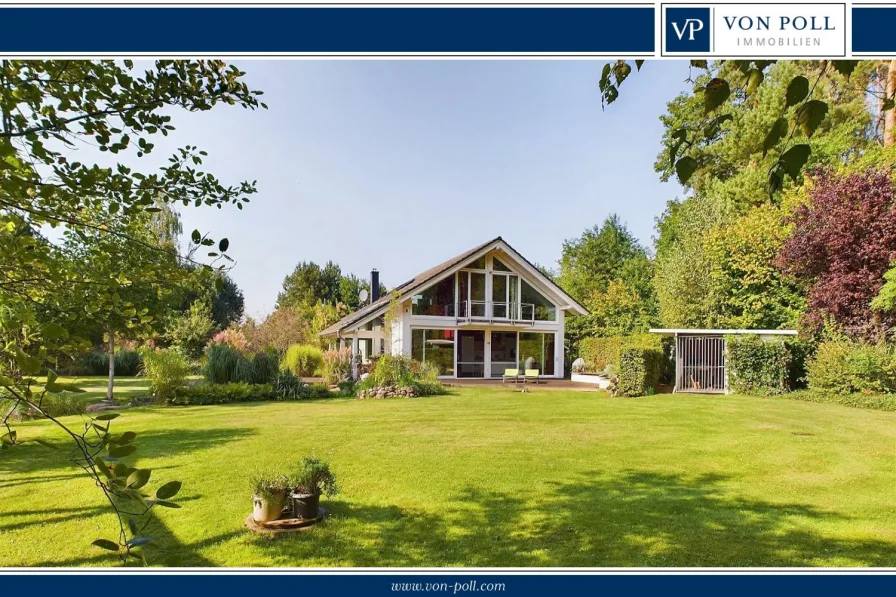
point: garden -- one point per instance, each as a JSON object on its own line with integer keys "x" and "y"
{"x": 486, "y": 477}
{"x": 149, "y": 420}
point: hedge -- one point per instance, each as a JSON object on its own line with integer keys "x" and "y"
{"x": 600, "y": 352}
{"x": 843, "y": 366}
{"x": 213, "y": 393}
{"x": 756, "y": 366}
{"x": 871, "y": 401}
{"x": 640, "y": 370}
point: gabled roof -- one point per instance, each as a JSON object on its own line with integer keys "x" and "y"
{"x": 434, "y": 273}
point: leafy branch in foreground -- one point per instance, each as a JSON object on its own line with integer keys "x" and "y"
{"x": 82, "y": 230}
{"x": 729, "y": 83}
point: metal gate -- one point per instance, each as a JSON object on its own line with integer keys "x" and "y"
{"x": 700, "y": 364}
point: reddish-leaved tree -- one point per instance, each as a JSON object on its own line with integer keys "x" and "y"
{"x": 843, "y": 242}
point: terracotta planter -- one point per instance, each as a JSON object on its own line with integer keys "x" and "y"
{"x": 305, "y": 505}
{"x": 267, "y": 508}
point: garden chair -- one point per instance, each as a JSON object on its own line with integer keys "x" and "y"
{"x": 511, "y": 374}
{"x": 531, "y": 375}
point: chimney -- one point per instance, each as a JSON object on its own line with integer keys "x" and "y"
{"x": 374, "y": 285}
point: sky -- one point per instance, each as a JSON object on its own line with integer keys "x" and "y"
{"x": 399, "y": 165}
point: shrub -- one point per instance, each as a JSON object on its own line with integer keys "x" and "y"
{"x": 265, "y": 368}
{"x": 96, "y": 362}
{"x": 233, "y": 338}
{"x": 756, "y": 366}
{"x": 639, "y": 370}
{"x": 61, "y": 405}
{"x": 873, "y": 401}
{"x": 127, "y": 363}
{"x": 190, "y": 330}
{"x": 302, "y": 360}
{"x": 346, "y": 387}
{"x": 313, "y": 476}
{"x": 320, "y": 390}
{"x": 844, "y": 366}
{"x": 290, "y": 387}
{"x": 401, "y": 372}
{"x": 224, "y": 364}
{"x": 214, "y": 393}
{"x": 166, "y": 371}
{"x": 337, "y": 364}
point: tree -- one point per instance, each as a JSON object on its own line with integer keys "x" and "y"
{"x": 227, "y": 301}
{"x": 309, "y": 284}
{"x": 843, "y": 242}
{"x": 748, "y": 289}
{"x": 731, "y": 83}
{"x": 49, "y": 110}
{"x": 191, "y": 330}
{"x": 601, "y": 254}
{"x": 279, "y": 330}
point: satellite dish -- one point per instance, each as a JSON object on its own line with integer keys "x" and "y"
{"x": 362, "y": 296}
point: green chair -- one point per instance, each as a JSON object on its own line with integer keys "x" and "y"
{"x": 511, "y": 375}
{"x": 531, "y": 375}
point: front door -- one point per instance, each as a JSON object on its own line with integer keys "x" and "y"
{"x": 470, "y": 353}
{"x": 503, "y": 352}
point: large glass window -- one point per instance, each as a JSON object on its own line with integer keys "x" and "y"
{"x": 435, "y": 300}
{"x": 537, "y": 352}
{"x": 498, "y": 266}
{"x": 434, "y": 346}
{"x": 477, "y": 294}
{"x": 503, "y": 352}
{"x": 470, "y": 353}
{"x": 544, "y": 309}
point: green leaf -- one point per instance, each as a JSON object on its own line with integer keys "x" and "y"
{"x": 638, "y": 64}
{"x": 132, "y": 525}
{"x": 223, "y": 245}
{"x": 104, "y": 468}
{"x": 106, "y": 544}
{"x": 700, "y": 64}
{"x": 715, "y": 94}
{"x": 775, "y": 134}
{"x": 139, "y": 478}
{"x": 811, "y": 115}
{"x": 6, "y": 382}
{"x": 754, "y": 80}
{"x": 196, "y": 237}
{"x": 168, "y": 490}
{"x": 712, "y": 129}
{"x": 106, "y": 417}
{"x": 125, "y": 438}
{"x": 845, "y": 67}
{"x": 122, "y": 470}
{"x": 8, "y": 438}
{"x": 775, "y": 178}
{"x": 685, "y": 168}
{"x": 122, "y": 451}
{"x": 794, "y": 159}
{"x": 888, "y": 104}
{"x": 797, "y": 91}
{"x": 28, "y": 365}
{"x": 53, "y": 331}
{"x": 139, "y": 541}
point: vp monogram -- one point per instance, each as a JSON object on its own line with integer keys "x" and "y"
{"x": 691, "y": 26}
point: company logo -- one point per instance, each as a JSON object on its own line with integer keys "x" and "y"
{"x": 687, "y": 30}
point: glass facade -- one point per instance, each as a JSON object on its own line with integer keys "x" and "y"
{"x": 434, "y": 346}
{"x": 435, "y": 300}
{"x": 544, "y": 309}
{"x": 537, "y": 352}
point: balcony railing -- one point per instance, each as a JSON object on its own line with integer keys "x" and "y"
{"x": 504, "y": 312}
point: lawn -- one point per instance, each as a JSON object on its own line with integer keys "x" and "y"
{"x": 491, "y": 477}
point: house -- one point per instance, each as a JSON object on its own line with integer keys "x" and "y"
{"x": 473, "y": 316}
{"x": 701, "y": 356}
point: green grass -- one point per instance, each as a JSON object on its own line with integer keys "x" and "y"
{"x": 492, "y": 477}
{"x": 94, "y": 387}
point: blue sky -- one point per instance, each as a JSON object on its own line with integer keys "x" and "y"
{"x": 399, "y": 165}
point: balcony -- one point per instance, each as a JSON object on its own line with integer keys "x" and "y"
{"x": 466, "y": 312}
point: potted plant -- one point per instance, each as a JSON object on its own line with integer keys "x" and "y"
{"x": 311, "y": 479}
{"x": 269, "y": 496}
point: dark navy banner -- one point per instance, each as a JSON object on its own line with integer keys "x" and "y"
{"x": 463, "y": 583}
{"x": 334, "y": 31}
{"x": 874, "y": 30}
